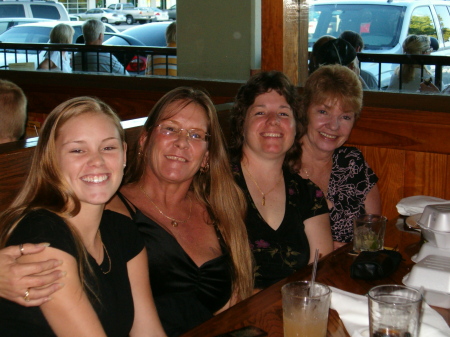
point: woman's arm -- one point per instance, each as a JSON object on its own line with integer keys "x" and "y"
{"x": 16, "y": 278}
{"x": 47, "y": 64}
{"x": 318, "y": 232}
{"x": 372, "y": 204}
{"x": 69, "y": 313}
{"x": 146, "y": 320}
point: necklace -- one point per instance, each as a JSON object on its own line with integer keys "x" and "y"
{"x": 324, "y": 190}
{"x": 263, "y": 202}
{"x": 107, "y": 254}
{"x": 174, "y": 222}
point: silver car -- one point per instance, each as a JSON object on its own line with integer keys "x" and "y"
{"x": 104, "y": 15}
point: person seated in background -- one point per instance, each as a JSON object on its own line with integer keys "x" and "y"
{"x": 56, "y": 60}
{"x": 339, "y": 51}
{"x": 93, "y": 33}
{"x": 76, "y": 168}
{"x": 164, "y": 64}
{"x": 287, "y": 216}
{"x": 313, "y": 63}
{"x": 412, "y": 74}
{"x": 331, "y": 103}
{"x": 13, "y": 112}
{"x": 180, "y": 192}
{"x": 357, "y": 42}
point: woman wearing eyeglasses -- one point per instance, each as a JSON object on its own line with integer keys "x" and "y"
{"x": 181, "y": 194}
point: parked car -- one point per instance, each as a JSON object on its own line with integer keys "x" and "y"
{"x": 160, "y": 15}
{"x": 173, "y": 12}
{"x": 383, "y": 25}
{"x": 6, "y": 23}
{"x": 151, "y": 34}
{"x": 133, "y": 14}
{"x": 105, "y": 15}
{"x": 38, "y": 32}
{"x": 34, "y": 9}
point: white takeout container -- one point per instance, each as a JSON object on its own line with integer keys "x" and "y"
{"x": 432, "y": 275}
{"x": 436, "y": 218}
{"x": 435, "y": 225}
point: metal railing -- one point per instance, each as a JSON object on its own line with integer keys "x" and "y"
{"x": 385, "y": 64}
{"x": 34, "y": 52}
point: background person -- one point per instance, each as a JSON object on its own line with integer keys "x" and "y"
{"x": 411, "y": 75}
{"x": 94, "y": 33}
{"x": 339, "y": 51}
{"x": 287, "y": 217}
{"x": 13, "y": 112}
{"x": 164, "y": 64}
{"x": 331, "y": 103}
{"x": 180, "y": 192}
{"x": 357, "y": 42}
{"x": 55, "y": 60}
{"x": 76, "y": 168}
{"x": 313, "y": 63}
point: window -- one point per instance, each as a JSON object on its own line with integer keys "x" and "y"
{"x": 444, "y": 21}
{"x": 379, "y": 26}
{"x": 422, "y": 22}
{"x": 12, "y": 11}
{"x": 47, "y": 12}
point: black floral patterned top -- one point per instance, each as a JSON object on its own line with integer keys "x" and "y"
{"x": 279, "y": 253}
{"x": 350, "y": 181}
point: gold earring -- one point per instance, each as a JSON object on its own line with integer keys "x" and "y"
{"x": 205, "y": 168}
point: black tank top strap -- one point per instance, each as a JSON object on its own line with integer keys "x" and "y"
{"x": 130, "y": 207}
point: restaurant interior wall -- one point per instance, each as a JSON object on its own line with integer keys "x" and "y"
{"x": 218, "y": 39}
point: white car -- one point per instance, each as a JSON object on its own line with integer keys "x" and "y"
{"x": 104, "y": 15}
{"x": 160, "y": 15}
{"x": 38, "y": 32}
{"x": 383, "y": 25}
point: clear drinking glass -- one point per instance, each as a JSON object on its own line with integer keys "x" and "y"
{"x": 305, "y": 310}
{"x": 368, "y": 232}
{"x": 394, "y": 311}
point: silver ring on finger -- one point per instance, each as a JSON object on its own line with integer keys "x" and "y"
{"x": 26, "y": 297}
{"x": 21, "y": 249}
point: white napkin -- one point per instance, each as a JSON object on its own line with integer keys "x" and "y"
{"x": 414, "y": 205}
{"x": 354, "y": 312}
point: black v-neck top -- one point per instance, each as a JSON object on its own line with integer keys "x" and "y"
{"x": 185, "y": 294}
{"x": 279, "y": 253}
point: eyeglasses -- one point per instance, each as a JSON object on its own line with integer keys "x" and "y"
{"x": 192, "y": 134}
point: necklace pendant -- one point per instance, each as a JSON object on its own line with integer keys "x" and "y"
{"x": 263, "y": 200}
{"x": 174, "y": 223}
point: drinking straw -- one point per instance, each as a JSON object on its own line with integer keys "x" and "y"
{"x": 313, "y": 277}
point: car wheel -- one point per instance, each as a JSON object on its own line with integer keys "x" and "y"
{"x": 130, "y": 20}
{"x": 104, "y": 20}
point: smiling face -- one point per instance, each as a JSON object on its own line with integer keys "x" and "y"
{"x": 329, "y": 127}
{"x": 91, "y": 157}
{"x": 269, "y": 126}
{"x": 175, "y": 158}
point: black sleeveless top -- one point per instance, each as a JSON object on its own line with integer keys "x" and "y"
{"x": 185, "y": 295}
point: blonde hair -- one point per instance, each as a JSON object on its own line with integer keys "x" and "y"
{"x": 13, "y": 116}
{"x": 171, "y": 33}
{"x": 61, "y": 33}
{"x": 45, "y": 186}
{"x": 414, "y": 45}
{"x": 216, "y": 188}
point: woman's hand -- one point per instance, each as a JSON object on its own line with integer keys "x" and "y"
{"x": 37, "y": 278}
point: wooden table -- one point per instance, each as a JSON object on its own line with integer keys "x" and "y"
{"x": 263, "y": 310}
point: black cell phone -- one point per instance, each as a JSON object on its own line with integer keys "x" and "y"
{"x": 247, "y": 331}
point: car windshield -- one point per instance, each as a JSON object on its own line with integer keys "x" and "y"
{"x": 32, "y": 34}
{"x": 379, "y": 25}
